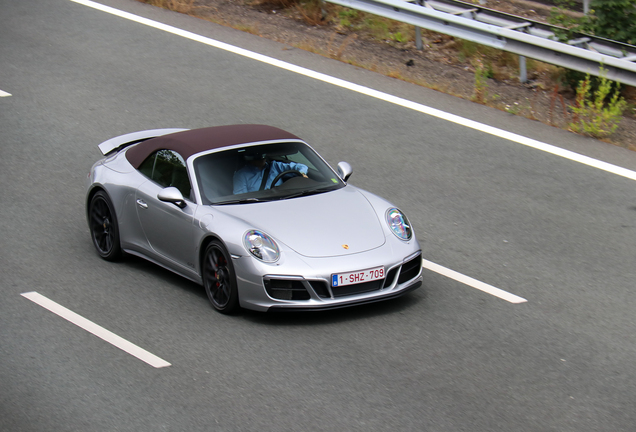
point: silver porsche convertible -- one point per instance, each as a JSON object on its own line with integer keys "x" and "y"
{"x": 253, "y": 214}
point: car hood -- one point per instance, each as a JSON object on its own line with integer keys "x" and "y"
{"x": 340, "y": 222}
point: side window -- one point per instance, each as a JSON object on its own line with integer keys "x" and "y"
{"x": 167, "y": 168}
{"x": 147, "y": 166}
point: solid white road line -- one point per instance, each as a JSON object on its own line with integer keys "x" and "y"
{"x": 4, "y": 94}
{"x": 97, "y": 330}
{"x": 472, "y": 282}
{"x": 370, "y": 92}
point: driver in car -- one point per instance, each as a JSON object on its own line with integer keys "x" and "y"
{"x": 258, "y": 173}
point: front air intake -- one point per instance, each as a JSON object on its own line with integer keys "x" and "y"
{"x": 286, "y": 289}
{"x": 410, "y": 269}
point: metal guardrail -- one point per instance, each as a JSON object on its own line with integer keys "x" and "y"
{"x": 527, "y": 38}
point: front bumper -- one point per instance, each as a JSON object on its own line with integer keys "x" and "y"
{"x": 339, "y": 305}
{"x": 303, "y": 284}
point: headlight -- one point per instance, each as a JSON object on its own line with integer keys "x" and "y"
{"x": 261, "y": 246}
{"x": 399, "y": 224}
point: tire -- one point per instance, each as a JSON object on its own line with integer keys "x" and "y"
{"x": 219, "y": 279}
{"x": 102, "y": 222}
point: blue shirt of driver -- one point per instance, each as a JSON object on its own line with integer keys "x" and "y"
{"x": 249, "y": 178}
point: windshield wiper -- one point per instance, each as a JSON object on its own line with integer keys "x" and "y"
{"x": 308, "y": 192}
{"x": 240, "y": 201}
{"x": 305, "y": 192}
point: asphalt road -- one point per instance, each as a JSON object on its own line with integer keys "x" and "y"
{"x": 447, "y": 357}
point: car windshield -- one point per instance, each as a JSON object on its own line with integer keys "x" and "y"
{"x": 263, "y": 172}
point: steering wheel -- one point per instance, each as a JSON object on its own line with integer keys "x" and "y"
{"x": 284, "y": 173}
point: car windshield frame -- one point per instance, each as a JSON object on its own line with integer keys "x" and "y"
{"x": 215, "y": 173}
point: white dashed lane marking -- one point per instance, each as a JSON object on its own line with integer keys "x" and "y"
{"x": 97, "y": 330}
{"x": 504, "y": 295}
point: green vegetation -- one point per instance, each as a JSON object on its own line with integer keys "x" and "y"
{"x": 480, "y": 92}
{"x": 611, "y": 19}
{"x": 594, "y": 114}
{"x": 614, "y": 19}
{"x": 377, "y": 27}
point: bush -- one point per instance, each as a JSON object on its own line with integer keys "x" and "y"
{"x": 592, "y": 114}
{"x": 611, "y": 19}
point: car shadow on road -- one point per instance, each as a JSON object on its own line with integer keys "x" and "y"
{"x": 382, "y": 308}
{"x": 140, "y": 265}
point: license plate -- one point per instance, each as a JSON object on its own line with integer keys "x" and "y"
{"x": 342, "y": 279}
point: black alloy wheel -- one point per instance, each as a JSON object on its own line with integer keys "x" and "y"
{"x": 103, "y": 226}
{"x": 219, "y": 279}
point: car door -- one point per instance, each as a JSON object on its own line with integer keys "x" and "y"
{"x": 167, "y": 227}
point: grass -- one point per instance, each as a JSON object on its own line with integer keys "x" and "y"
{"x": 251, "y": 29}
{"x": 482, "y": 73}
{"x": 339, "y": 52}
{"x": 181, "y": 6}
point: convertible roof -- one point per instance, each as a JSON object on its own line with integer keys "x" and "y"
{"x": 196, "y": 141}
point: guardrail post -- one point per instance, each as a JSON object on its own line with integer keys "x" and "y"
{"x": 418, "y": 31}
{"x": 523, "y": 73}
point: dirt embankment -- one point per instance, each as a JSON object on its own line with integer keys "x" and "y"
{"x": 442, "y": 65}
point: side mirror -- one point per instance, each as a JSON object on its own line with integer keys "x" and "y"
{"x": 344, "y": 170}
{"x": 172, "y": 195}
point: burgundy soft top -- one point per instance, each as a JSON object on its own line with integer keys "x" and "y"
{"x": 195, "y": 141}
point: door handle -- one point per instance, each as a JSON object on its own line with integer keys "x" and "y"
{"x": 142, "y": 204}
